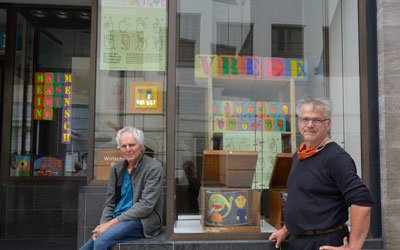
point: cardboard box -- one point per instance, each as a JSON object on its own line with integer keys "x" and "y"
{"x": 278, "y": 188}
{"x": 229, "y": 168}
{"x": 230, "y": 210}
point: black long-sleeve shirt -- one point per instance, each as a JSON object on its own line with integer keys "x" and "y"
{"x": 320, "y": 190}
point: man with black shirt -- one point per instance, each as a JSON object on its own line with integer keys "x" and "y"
{"x": 322, "y": 185}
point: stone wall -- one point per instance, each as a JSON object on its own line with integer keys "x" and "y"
{"x": 39, "y": 209}
{"x": 388, "y": 30}
{"x": 91, "y": 200}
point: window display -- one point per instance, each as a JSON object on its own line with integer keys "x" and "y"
{"x": 50, "y": 98}
{"x": 130, "y": 78}
{"x": 252, "y": 61}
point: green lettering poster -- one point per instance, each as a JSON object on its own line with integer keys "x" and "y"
{"x": 133, "y": 35}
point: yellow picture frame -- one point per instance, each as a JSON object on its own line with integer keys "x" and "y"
{"x": 146, "y": 98}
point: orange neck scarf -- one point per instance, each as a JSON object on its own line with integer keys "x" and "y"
{"x": 305, "y": 152}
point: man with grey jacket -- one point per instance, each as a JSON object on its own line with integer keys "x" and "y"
{"x": 133, "y": 206}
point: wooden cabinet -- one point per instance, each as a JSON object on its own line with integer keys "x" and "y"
{"x": 278, "y": 188}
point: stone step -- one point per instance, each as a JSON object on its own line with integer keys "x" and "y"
{"x": 160, "y": 243}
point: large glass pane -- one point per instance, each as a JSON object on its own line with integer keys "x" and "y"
{"x": 50, "y": 95}
{"x": 241, "y": 68}
{"x": 130, "y": 78}
{"x": 3, "y": 27}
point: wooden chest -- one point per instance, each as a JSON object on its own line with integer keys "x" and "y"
{"x": 230, "y": 210}
{"x": 229, "y": 168}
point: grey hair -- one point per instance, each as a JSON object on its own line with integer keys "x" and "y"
{"x": 316, "y": 102}
{"x": 137, "y": 133}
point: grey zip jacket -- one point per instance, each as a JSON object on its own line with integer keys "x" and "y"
{"x": 147, "y": 184}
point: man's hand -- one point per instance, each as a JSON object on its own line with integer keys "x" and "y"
{"x": 103, "y": 227}
{"x": 279, "y": 236}
{"x": 345, "y": 246}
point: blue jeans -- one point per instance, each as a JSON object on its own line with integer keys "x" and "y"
{"x": 123, "y": 231}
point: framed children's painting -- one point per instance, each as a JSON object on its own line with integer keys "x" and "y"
{"x": 146, "y": 98}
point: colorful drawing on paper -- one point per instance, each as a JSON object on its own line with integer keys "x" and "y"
{"x": 217, "y": 108}
{"x": 23, "y": 165}
{"x": 226, "y": 208}
{"x": 146, "y": 98}
{"x": 47, "y": 165}
{"x": 250, "y": 116}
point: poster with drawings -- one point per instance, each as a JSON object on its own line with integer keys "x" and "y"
{"x": 133, "y": 35}
{"x": 267, "y": 144}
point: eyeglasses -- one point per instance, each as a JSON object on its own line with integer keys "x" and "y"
{"x": 315, "y": 121}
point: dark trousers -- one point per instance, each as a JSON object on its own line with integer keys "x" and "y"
{"x": 313, "y": 242}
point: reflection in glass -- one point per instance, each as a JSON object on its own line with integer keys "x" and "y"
{"x": 130, "y": 78}
{"x": 241, "y": 66}
{"x": 50, "y": 98}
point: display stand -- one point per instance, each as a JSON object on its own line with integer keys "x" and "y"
{"x": 292, "y": 116}
{"x": 278, "y": 188}
{"x": 222, "y": 169}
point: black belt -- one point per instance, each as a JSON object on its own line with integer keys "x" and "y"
{"x": 324, "y": 231}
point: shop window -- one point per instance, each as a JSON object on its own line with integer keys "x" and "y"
{"x": 3, "y": 26}
{"x": 132, "y": 60}
{"x": 50, "y": 95}
{"x": 235, "y": 115}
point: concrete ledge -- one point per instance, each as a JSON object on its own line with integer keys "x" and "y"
{"x": 150, "y": 244}
{"x": 91, "y": 199}
{"x": 160, "y": 243}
